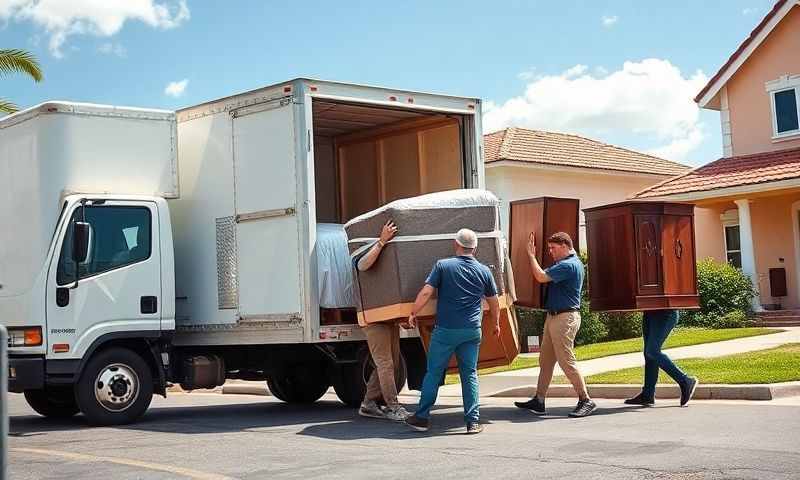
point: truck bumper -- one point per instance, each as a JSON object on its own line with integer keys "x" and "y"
{"x": 25, "y": 373}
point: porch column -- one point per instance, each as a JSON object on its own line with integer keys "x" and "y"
{"x": 747, "y": 251}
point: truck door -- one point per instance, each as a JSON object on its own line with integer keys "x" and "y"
{"x": 267, "y": 225}
{"x": 118, "y": 288}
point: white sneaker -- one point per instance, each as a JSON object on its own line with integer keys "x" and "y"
{"x": 371, "y": 409}
{"x": 397, "y": 414}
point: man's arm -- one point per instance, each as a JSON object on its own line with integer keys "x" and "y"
{"x": 538, "y": 273}
{"x": 494, "y": 312}
{"x": 387, "y": 233}
{"x": 422, "y": 299}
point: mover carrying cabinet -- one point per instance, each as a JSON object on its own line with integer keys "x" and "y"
{"x": 641, "y": 256}
{"x": 543, "y": 217}
{"x": 427, "y": 226}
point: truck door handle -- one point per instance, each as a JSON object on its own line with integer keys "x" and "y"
{"x": 148, "y": 304}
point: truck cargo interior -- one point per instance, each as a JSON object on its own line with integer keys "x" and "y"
{"x": 366, "y": 157}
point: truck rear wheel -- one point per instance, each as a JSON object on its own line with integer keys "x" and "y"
{"x": 115, "y": 388}
{"x": 350, "y": 381}
{"x": 53, "y": 402}
{"x": 300, "y": 384}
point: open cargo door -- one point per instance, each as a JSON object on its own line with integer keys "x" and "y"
{"x": 267, "y": 238}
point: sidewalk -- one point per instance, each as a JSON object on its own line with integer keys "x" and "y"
{"x": 497, "y": 382}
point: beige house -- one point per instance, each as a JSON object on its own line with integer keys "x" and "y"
{"x": 754, "y": 190}
{"x": 523, "y": 164}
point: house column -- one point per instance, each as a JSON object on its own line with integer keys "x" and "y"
{"x": 746, "y": 246}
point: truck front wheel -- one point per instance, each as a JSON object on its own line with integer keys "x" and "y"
{"x": 53, "y": 402}
{"x": 115, "y": 388}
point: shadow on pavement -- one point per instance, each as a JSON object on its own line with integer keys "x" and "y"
{"x": 325, "y": 419}
{"x": 450, "y": 422}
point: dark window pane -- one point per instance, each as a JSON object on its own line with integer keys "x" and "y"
{"x": 732, "y": 238}
{"x": 118, "y": 236}
{"x": 735, "y": 259}
{"x": 786, "y": 111}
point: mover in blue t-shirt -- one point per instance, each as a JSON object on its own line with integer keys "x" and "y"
{"x": 461, "y": 283}
{"x": 564, "y": 281}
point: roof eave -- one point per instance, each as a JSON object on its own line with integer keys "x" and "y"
{"x": 602, "y": 171}
{"x": 738, "y": 190}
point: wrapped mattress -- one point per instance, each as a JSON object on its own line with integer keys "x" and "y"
{"x": 334, "y": 267}
{"x": 426, "y": 228}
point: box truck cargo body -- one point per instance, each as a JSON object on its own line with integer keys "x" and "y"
{"x": 152, "y": 247}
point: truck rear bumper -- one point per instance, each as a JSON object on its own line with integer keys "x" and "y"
{"x": 25, "y": 373}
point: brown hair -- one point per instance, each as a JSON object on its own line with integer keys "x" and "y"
{"x": 560, "y": 238}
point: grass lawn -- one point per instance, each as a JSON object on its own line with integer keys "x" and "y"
{"x": 780, "y": 364}
{"x": 680, "y": 337}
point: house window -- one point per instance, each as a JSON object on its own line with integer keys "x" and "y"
{"x": 785, "y": 99}
{"x": 733, "y": 249}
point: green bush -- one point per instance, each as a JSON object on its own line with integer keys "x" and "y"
{"x": 622, "y": 325}
{"x": 726, "y": 296}
{"x": 530, "y": 322}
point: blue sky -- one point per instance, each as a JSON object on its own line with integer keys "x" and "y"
{"x": 619, "y": 71}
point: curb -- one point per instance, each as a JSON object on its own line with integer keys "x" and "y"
{"x": 703, "y": 392}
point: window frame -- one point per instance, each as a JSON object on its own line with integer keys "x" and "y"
{"x": 67, "y": 231}
{"x": 784, "y": 84}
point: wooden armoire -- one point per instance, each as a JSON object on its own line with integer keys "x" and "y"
{"x": 641, "y": 256}
{"x": 543, "y": 217}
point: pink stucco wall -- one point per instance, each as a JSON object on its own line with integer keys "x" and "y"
{"x": 773, "y": 240}
{"x": 749, "y": 102}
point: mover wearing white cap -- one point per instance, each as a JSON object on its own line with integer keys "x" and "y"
{"x": 467, "y": 239}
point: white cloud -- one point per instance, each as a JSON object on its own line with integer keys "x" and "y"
{"x": 529, "y": 74}
{"x": 609, "y": 20}
{"x": 60, "y": 19}
{"x": 647, "y": 102}
{"x": 176, "y": 89}
{"x": 749, "y": 11}
{"x": 110, "y": 48}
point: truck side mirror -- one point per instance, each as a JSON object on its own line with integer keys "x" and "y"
{"x": 80, "y": 242}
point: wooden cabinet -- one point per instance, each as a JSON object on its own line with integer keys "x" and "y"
{"x": 543, "y": 217}
{"x": 641, "y": 256}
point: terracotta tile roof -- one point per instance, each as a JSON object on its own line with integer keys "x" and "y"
{"x": 548, "y": 148}
{"x": 747, "y": 41}
{"x": 731, "y": 172}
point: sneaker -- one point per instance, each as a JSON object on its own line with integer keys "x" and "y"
{"x": 370, "y": 409}
{"x": 418, "y": 424}
{"x": 473, "y": 428}
{"x": 687, "y": 390}
{"x": 396, "y": 414}
{"x": 583, "y": 409}
{"x": 534, "y": 405}
{"x": 641, "y": 401}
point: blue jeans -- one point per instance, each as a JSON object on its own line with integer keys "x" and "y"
{"x": 656, "y": 327}
{"x": 465, "y": 343}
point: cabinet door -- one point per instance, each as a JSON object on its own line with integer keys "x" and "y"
{"x": 648, "y": 254}
{"x": 527, "y": 217}
{"x": 677, "y": 242}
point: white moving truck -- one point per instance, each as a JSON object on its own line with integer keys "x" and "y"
{"x": 142, "y": 247}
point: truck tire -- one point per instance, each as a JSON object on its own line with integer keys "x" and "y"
{"x": 53, "y": 402}
{"x": 350, "y": 380}
{"x": 300, "y": 384}
{"x": 115, "y": 388}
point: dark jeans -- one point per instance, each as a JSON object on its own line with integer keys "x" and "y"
{"x": 656, "y": 326}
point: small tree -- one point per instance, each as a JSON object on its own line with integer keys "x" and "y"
{"x": 17, "y": 61}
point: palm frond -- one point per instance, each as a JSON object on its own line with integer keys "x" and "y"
{"x": 19, "y": 61}
{"x": 7, "y": 107}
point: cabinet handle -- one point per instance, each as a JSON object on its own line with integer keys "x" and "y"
{"x": 678, "y": 248}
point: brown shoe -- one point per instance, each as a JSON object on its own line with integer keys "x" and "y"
{"x": 418, "y": 424}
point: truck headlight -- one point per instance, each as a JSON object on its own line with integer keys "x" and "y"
{"x": 24, "y": 337}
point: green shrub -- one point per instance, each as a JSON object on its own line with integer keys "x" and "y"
{"x": 726, "y": 296}
{"x": 622, "y": 325}
{"x": 530, "y": 322}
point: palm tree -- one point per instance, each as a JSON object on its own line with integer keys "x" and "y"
{"x": 17, "y": 61}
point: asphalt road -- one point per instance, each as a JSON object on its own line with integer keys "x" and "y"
{"x": 215, "y": 437}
